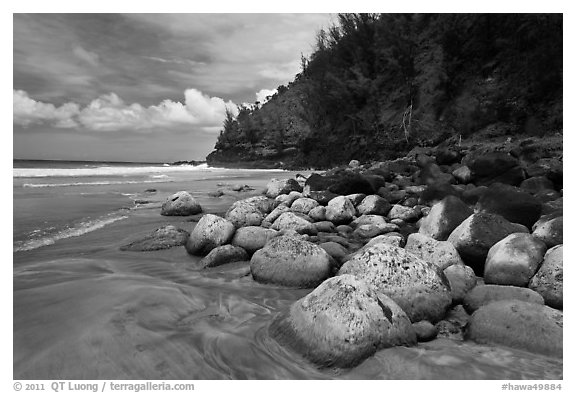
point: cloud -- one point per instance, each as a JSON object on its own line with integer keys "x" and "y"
{"x": 110, "y": 113}
{"x": 89, "y": 57}
{"x": 262, "y": 94}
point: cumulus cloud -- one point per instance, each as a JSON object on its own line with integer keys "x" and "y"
{"x": 262, "y": 94}
{"x": 110, "y": 113}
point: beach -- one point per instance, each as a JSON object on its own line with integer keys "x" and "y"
{"x": 83, "y": 309}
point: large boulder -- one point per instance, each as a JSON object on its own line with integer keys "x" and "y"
{"x": 439, "y": 253}
{"x": 374, "y": 204}
{"x": 474, "y": 237}
{"x": 512, "y": 203}
{"x": 482, "y": 295}
{"x": 403, "y": 213}
{"x": 436, "y": 192}
{"x": 463, "y": 174}
{"x": 445, "y": 156}
{"x": 292, "y": 262}
{"x": 537, "y": 184}
{"x": 420, "y": 288}
{"x": 250, "y": 211}
{"x": 224, "y": 254}
{"x": 210, "y": 232}
{"x": 180, "y": 204}
{"x": 276, "y": 187}
{"x": 444, "y": 217}
{"x": 488, "y": 168}
{"x": 462, "y": 279}
{"x": 514, "y": 260}
{"x": 517, "y": 324}
{"x": 550, "y": 230}
{"x": 303, "y": 205}
{"x": 431, "y": 174}
{"x": 340, "y": 210}
{"x": 341, "y": 323}
{"x": 295, "y": 222}
{"x": 253, "y": 238}
{"x": 549, "y": 280}
{"x": 160, "y": 239}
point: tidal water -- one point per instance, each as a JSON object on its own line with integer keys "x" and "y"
{"x": 85, "y": 310}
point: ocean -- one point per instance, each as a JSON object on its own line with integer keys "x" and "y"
{"x": 83, "y": 309}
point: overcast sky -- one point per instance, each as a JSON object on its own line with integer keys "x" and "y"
{"x": 145, "y": 87}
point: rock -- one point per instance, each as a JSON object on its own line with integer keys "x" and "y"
{"x": 391, "y": 238}
{"x": 392, "y": 196}
{"x": 340, "y": 210}
{"x": 372, "y": 225}
{"x": 423, "y": 160}
{"x": 276, "y": 187}
{"x": 250, "y": 211}
{"x": 210, "y": 232}
{"x": 224, "y": 254}
{"x": 354, "y": 164}
{"x": 337, "y": 251}
{"x": 548, "y": 281}
{"x": 318, "y": 213}
{"x": 341, "y": 323}
{"x": 454, "y": 323}
{"x": 514, "y": 260}
{"x": 344, "y": 183}
{"x": 436, "y": 192}
{"x": 274, "y": 214}
{"x": 482, "y": 295}
{"x": 419, "y": 288}
{"x": 488, "y": 168}
{"x": 462, "y": 279}
{"x": 463, "y": 174}
{"x": 512, "y": 203}
{"x": 324, "y": 226}
{"x": 241, "y": 187}
{"x": 216, "y": 194}
{"x": 474, "y": 237}
{"x": 446, "y": 156}
{"x": 374, "y": 204}
{"x": 288, "y": 199}
{"x": 536, "y": 184}
{"x": 160, "y": 239}
{"x": 253, "y": 238}
{"x": 425, "y": 331}
{"x": 552, "y": 168}
{"x": 180, "y": 204}
{"x": 403, "y": 213}
{"x": 545, "y": 196}
{"x": 292, "y": 262}
{"x": 432, "y": 174}
{"x": 344, "y": 229}
{"x": 444, "y": 217}
{"x": 555, "y": 206}
{"x": 439, "y": 253}
{"x": 303, "y": 205}
{"x": 518, "y": 324}
{"x": 473, "y": 194}
{"x": 356, "y": 198}
{"x": 549, "y": 230}
{"x": 296, "y": 222}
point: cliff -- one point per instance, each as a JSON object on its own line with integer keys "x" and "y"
{"x": 377, "y": 85}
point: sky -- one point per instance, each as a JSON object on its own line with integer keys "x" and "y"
{"x": 145, "y": 87}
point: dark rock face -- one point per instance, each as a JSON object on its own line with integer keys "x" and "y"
{"x": 518, "y": 324}
{"x": 224, "y": 254}
{"x": 512, "y": 203}
{"x": 482, "y": 295}
{"x": 341, "y": 323}
{"x": 344, "y": 183}
{"x": 488, "y": 168}
{"x": 162, "y": 238}
{"x": 419, "y": 288}
{"x": 181, "y": 204}
{"x": 549, "y": 280}
{"x": 292, "y": 262}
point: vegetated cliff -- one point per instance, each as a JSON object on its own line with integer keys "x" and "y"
{"x": 379, "y": 84}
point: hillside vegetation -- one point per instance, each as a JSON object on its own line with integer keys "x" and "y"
{"x": 378, "y": 85}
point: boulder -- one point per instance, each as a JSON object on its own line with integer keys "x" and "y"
{"x": 250, "y": 211}
{"x": 274, "y": 214}
{"x": 472, "y": 194}
{"x": 276, "y": 187}
{"x": 224, "y": 254}
{"x": 490, "y": 167}
{"x": 354, "y": 164}
{"x": 463, "y": 175}
{"x": 318, "y": 213}
{"x": 324, "y": 226}
{"x": 482, "y": 295}
{"x": 337, "y": 251}
{"x": 548, "y": 281}
{"x": 288, "y": 199}
{"x": 406, "y": 214}
{"x": 356, "y": 198}
{"x": 253, "y": 238}
{"x": 341, "y": 323}
{"x": 474, "y": 237}
{"x": 537, "y": 184}
{"x": 512, "y": 203}
{"x": 518, "y": 324}
{"x": 444, "y": 217}
{"x": 425, "y": 331}
{"x": 372, "y": 225}
{"x": 160, "y": 239}
{"x": 180, "y": 204}
{"x": 549, "y": 229}
{"x": 446, "y": 156}
{"x": 419, "y": 288}
{"x": 303, "y": 205}
{"x": 552, "y": 168}
{"x": 436, "y": 192}
{"x": 210, "y": 232}
{"x": 294, "y": 221}
{"x": 292, "y": 262}
{"x": 374, "y": 204}
{"x": 439, "y": 253}
{"x": 340, "y": 210}
{"x": 462, "y": 279}
{"x": 514, "y": 260}
{"x": 432, "y": 174}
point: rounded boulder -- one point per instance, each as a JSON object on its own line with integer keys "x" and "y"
{"x": 180, "y": 204}
{"x": 210, "y": 232}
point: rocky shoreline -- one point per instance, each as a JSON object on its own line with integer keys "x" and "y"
{"x": 450, "y": 242}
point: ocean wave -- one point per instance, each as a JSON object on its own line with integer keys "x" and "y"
{"x": 94, "y": 183}
{"x": 75, "y": 231}
{"x": 104, "y": 171}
